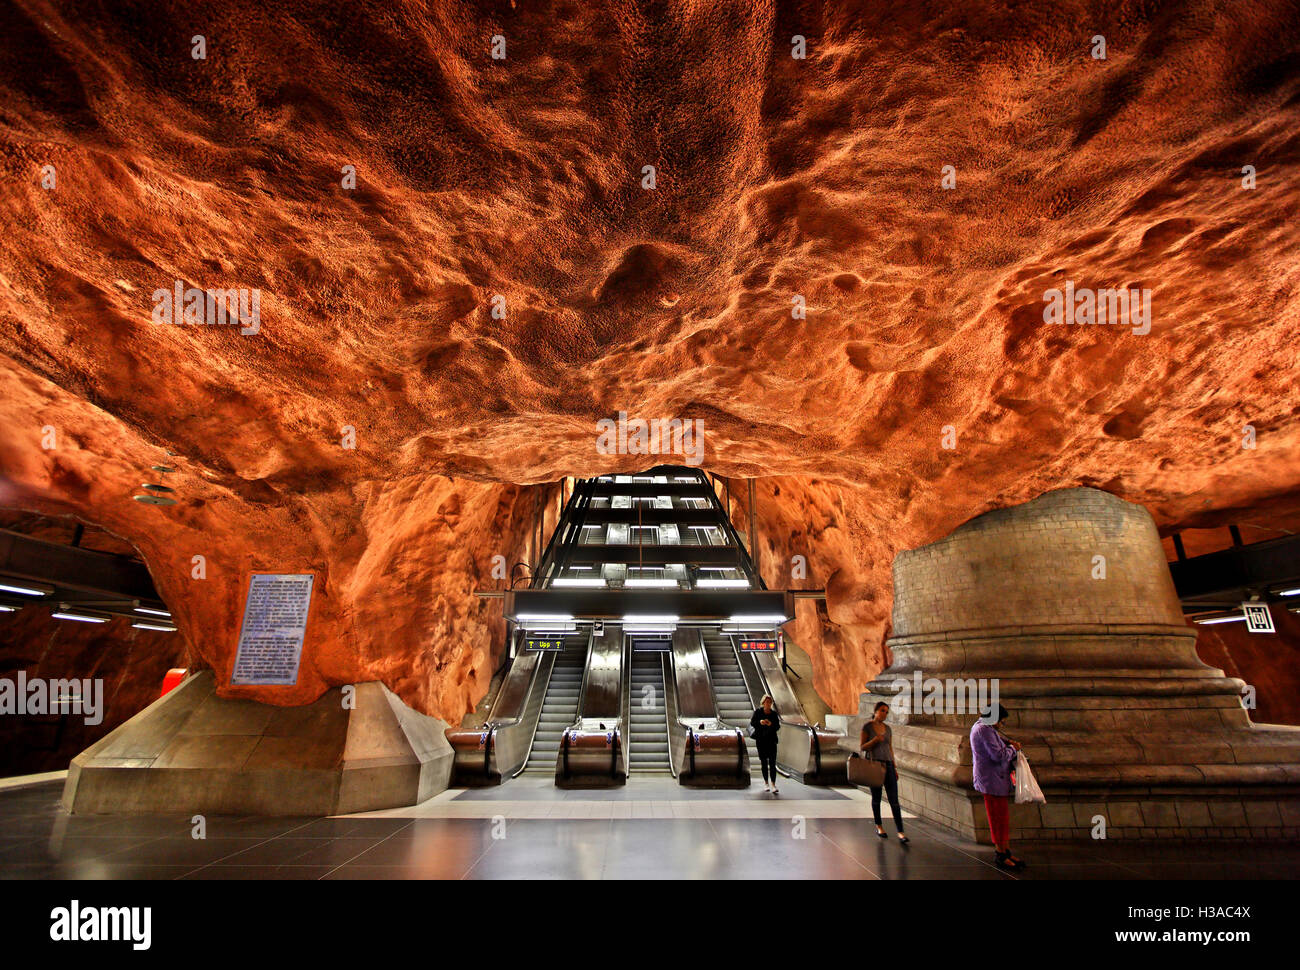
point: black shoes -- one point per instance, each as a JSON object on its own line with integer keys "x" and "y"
{"x": 1005, "y": 860}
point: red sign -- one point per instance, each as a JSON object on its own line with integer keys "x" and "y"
{"x": 173, "y": 679}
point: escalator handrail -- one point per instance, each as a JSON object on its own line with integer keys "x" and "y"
{"x": 533, "y": 738}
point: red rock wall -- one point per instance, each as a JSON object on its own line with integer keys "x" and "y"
{"x": 776, "y": 178}
{"x": 130, "y": 662}
{"x": 1269, "y": 662}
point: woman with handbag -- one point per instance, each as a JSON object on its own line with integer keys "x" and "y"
{"x": 992, "y": 759}
{"x": 876, "y": 744}
{"x": 763, "y": 727}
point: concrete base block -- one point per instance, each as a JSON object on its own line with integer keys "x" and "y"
{"x": 193, "y": 752}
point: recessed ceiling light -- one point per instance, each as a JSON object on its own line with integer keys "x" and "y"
{"x": 154, "y": 499}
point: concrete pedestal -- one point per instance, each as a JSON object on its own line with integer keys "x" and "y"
{"x": 1067, "y": 602}
{"x": 191, "y": 751}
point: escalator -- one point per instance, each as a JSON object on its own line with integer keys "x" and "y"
{"x": 735, "y": 706}
{"x": 560, "y": 706}
{"x": 648, "y": 723}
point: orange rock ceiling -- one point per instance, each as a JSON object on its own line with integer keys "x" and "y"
{"x": 776, "y": 178}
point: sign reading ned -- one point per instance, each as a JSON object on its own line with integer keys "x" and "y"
{"x": 275, "y": 621}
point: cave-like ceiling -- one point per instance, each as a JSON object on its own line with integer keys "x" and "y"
{"x": 840, "y": 269}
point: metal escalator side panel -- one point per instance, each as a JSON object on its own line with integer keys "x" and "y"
{"x": 625, "y": 705}
{"x": 672, "y": 721}
{"x": 778, "y": 685}
{"x": 512, "y": 698}
{"x": 486, "y": 754}
{"x": 513, "y": 761}
{"x": 811, "y": 753}
{"x": 690, "y": 675}
{"x": 603, "y": 679}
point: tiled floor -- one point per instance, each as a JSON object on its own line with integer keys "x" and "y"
{"x": 806, "y": 833}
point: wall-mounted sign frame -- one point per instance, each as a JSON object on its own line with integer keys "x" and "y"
{"x": 273, "y": 630}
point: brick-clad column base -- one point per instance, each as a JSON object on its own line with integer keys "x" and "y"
{"x": 1066, "y": 602}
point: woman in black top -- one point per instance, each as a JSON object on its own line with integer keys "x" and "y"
{"x": 763, "y": 727}
{"x": 877, "y": 745}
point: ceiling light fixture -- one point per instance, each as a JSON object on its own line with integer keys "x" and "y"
{"x": 154, "y": 499}
{"x": 27, "y": 589}
{"x": 81, "y": 617}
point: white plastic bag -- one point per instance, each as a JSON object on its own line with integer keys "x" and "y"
{"x": 1027, "y": 789}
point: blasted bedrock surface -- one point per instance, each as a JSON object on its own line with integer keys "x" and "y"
{"x": 776, "y": 178}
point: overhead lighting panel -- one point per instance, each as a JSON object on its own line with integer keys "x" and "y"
{"x": 25, "y": 588}
{"x": 81, "y": 616}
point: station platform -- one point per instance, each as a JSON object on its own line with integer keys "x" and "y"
{"x": 651, "y": 828}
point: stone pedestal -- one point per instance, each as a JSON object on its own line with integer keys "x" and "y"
{"x": 1068, "y": 603}
{"x": 191, "y": 751}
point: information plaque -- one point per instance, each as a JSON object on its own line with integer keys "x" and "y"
{"x": 275, "y": 621}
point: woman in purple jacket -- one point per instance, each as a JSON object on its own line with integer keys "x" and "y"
{"x": 992, "y": 758}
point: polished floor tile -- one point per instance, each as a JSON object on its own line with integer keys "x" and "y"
{"x": 653, "y": 829}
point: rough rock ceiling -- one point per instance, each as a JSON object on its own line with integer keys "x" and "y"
{"x": 522, "y": 178}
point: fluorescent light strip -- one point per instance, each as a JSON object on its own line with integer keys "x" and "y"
{"x": 777, "y": 618}
{"x": 1219, "y": 619}
{"x": 9, "y": 609}
{"x": 78, "y": 617}
{"x": 25, "y": 590}
{"x": 584, "y": 581}
{"x": 146, "y": 625}
{"x": 652, "y": 583}
{"x": 1290, "y": 592}
{"x": 153, "y": 612}
{"x": 723, "y": 583}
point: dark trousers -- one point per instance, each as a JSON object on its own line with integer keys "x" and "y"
{"x": 767, "y": 759}
{"x": 891, "y": 789}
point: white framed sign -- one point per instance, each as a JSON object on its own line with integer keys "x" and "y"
{"x": 1258, "y": 618}
{"x": 275, "y": 623}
